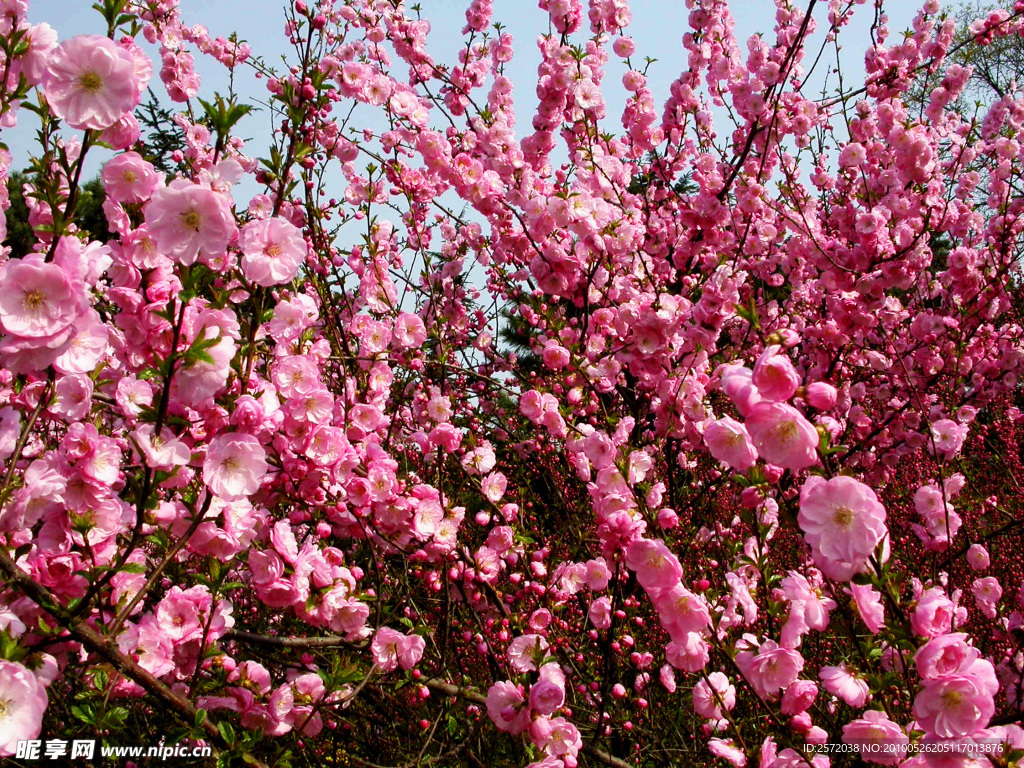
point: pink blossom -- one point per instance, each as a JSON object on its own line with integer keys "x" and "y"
{"x": 600, "y": 613}
{"x": 597, "y": 574}
{"x": 655, "y": 565}
{"x": 189, "y": 220}
{"x": 555, "y": 356}
{"x": 272, "y": 251}
{"x": 624, "y": 47}
{"x": 842, "y": 682}
{"x": 128, "y": 178}
{"x": 774, "y": 375}
{"x": 557, "y": 737}
{"x": 728, "y": 751}
{"x": 410, "y": 331}
{"x": 737, "y": 383}
{"x": 133, "y": 395}
{"x": 954, "y": 706}
{"x": 86, "y": 346}
{"x": 91, "y": 82}
{"x": 178, "y": 616}
{"x": 548, "y": 693}
{"x": 505, "y": 706}
{"x": 712, "y": 694}
{"x": 235, "y": 465}
{"x": 986, "y": 593}
{"x": 728, "y": 441}
{"x": 888, "y": 741}
{"x": 37, "y": 301}
{"x": 681, "y": 612}
{"x": 480, "y": 460}
{"x": 933, "y": 615}
{"x": 782, "y": 435}
{"x": 868, "y": 601}
{"x": 164, "y": 452}
{"x": 948, "y": 437}
{"x": 820, "y": 395}
{"x": 10, "y": 430}
{"x": 690, "y": 654}
{"x": 843, "y": 522}
{"x": 123, "y": 133}
{"x": 798, "y": 697}
{"x": 852, "y": 156}
{"x": 769, "y": 667}
{"x": 977, "y": 557}
{"x": 24, "y": 702}
{"x": 41, "y": 40}
{"x": 527, "y": 652}
{"x": 599, "y": 449}
{"x": 391, "y": 649}
{"x": 493, "y": 486}
{"x": 808, "y": 609}
{"x": 945, "y": 655}
{"x": 531, "y": 404}
{"x": 150, "y": 645}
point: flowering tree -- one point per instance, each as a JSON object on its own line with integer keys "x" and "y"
{"x": 271, "y": 480}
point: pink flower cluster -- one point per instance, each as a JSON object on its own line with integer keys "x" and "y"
{"x": 670, "y": 425}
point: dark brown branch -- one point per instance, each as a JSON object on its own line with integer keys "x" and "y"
{"x": 106, "y": 648}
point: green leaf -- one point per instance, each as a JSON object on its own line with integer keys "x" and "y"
{"x": 115, "y": 718}
{"x": 226, "y": 732}
{"x": 84, "y": 712}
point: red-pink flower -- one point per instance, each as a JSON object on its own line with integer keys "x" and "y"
{"x": 235, "y": 465}
{"x": 22, "y": 704}
{"x": 798, "y": 697}
{"x": 91, "y": 82}
{"x": 729, "y": 442}
{"x": 681, "y": 611}
{"x": 162, "y": 452}
{"x": 944, "y": 656}
{"x": 881, "y": 740}
{"x": 655, "y": 565}
{"x": 187, "y": 220}
{"x": 869, "y": 605}
{"x": 128, "y": 178}
{"x": 842, "y": 682}
{"x": 782, "y": 435}
{"x": 527, "y": 652}
{"x": 37, "y": 300}
{"x": 548, "y": 693}
{"x": 391, "y": 649}
{"x": 842, "y": 520}
{"x": 933, "y": 614}
{"x": 272, "y": 251}
{"x": 954, "y": 706}
{"x": 728, "y": 751}
{"x": 713, "y": 694}
{"x": 774, "y": 375}
{"x": 506, "y": 707}
{"x": 769, "y": 668}
{"x": 820, "y": 395}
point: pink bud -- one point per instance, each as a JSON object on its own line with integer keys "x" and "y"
{"x": 820, "y": 395}
{"x": 977, "y": 557}
{"x": 751, "y": 497}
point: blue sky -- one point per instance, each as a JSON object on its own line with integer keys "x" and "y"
{"x": 657, "y": 28}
